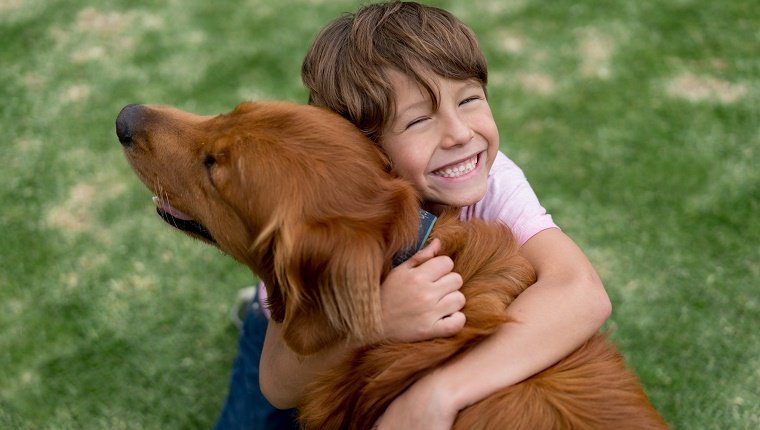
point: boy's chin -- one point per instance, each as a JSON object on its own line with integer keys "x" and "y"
{"x": 458, "y": 200}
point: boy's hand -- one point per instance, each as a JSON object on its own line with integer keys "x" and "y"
{"x": 421, "y": 298}
{"x": 421, "y": 406}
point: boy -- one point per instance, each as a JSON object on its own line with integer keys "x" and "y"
{"x": 413, "y": 79}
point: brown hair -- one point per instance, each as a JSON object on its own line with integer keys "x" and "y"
{"x": 345, "y": 68}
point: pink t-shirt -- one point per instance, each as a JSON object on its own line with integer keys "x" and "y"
{"x": 509, "y": 199}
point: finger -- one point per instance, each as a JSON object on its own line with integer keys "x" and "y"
{"x": 425, "y": 254}
{"x": 435, "y": 268}
{"x": 451, "y": 303}
{"x": 448, "y": 283}
{"x": 450, "y": 325}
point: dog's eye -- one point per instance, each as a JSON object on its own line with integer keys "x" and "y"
{"x": 209, "y": 161}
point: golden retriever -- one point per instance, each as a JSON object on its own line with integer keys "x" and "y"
{"x": 311, "y": 206}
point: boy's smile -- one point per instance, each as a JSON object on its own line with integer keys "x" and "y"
{"x": 457, "y": 170}
{"x": 446, "y": 152}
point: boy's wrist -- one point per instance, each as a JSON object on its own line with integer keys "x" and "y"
{"x": 444, "y": 391}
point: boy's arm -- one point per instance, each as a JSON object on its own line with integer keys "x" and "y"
{"x": 284, "y": 374}
{"x": 554, "y": 316}
{"x": 420, "y": 300}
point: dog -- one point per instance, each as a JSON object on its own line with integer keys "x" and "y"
{"x": 313, "y": 208}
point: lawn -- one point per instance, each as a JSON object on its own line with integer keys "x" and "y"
{"x": 637, "y": 123}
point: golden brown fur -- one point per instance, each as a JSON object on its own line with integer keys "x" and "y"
{"x": 301, "y": 197}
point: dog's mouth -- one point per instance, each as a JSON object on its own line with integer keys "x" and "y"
{"x": 180, "y": 220}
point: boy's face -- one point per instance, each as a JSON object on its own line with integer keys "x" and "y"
{"x": 447, "y": 153}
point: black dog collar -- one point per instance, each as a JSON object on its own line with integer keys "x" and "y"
{"x": 427, "y": 220}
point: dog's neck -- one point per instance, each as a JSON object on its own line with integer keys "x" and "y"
{"x": 427, "y": 221}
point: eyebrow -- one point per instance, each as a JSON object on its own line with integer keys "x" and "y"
{"x": 471, "y": 83}
{"x": 468, "y": 84}
{"x": 420, "y": 103}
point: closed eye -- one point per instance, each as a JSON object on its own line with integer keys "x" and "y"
{"x": 417, "y": 121}
{"x": 209, "y": 161}
{"x": 470, "y": 99}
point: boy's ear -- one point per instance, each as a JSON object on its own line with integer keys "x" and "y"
{"x": 330, "y": 274}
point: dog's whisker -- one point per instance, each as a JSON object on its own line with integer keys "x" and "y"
{"x": 163, "y": 197}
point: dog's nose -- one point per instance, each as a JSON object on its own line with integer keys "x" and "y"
{"x": 127, "y": 122}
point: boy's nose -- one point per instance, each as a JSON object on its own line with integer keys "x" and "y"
{"x": 457, "y": 131}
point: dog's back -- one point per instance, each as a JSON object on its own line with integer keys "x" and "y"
{"x": 592, "y": 388}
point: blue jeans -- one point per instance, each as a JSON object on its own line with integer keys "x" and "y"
{"x": 245, "y": 407}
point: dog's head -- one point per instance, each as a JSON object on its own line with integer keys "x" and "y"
{"x": 295, "y": 192}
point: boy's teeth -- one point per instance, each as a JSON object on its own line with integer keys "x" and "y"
{"x": 458, "y": 170}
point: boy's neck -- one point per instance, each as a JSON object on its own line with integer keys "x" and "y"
{"x": 436, "y": 208}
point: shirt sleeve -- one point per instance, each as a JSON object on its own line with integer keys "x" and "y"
{"x": 261, "y": 296}
{"x": 510, "y": 199}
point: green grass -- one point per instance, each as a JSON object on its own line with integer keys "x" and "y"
{"x": 636, "y": 122}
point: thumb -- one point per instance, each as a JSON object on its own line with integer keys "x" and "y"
{"x": 425, "y": 254}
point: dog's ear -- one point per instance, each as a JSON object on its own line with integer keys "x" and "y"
{"x": 330, "y": 273}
